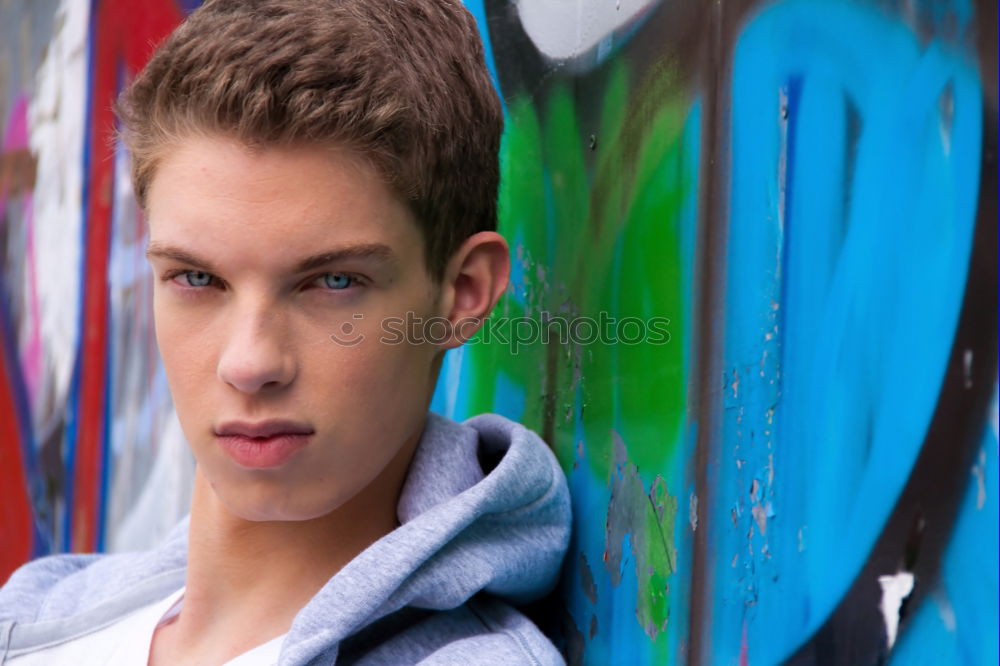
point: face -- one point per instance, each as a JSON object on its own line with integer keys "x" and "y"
{"x": 275, "y": 271}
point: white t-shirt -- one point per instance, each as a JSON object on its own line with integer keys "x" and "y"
{"x": 127, "y": 642}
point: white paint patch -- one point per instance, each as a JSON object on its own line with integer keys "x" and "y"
{"x": 56, "y": 115}
{"x": 895, "y": 589}
{"x": 565, "y": 29}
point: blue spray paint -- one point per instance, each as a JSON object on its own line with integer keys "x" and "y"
{"x": 854, "y": 186}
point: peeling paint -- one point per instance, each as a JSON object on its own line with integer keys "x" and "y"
{"x": 575, "y": 640}
{"x": 647, "y": 519}
{"x": 693, "y": 512}
{"x": 760, "y": 516}
{"x": 979, "y": 471}
{"x": 587, "y": 580}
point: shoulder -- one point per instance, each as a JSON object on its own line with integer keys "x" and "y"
{"x": 24, "y": 593}
{"x": 62, "y": 585}
{"x": 509, "y": 637}
{"x": 482, "y": 632}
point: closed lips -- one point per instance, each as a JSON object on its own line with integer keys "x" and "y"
{"x": 264, "y": 429}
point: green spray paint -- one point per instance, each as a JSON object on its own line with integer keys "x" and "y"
{"x": 594, "y": 220}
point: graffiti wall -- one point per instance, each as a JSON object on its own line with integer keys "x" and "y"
{"x": 92, "y": 458}
{"x": 753, "y": 310}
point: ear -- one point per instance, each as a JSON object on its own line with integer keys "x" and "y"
{"x": 475, "y": 278}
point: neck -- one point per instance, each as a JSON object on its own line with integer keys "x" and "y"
{"x": 246, "y": 580}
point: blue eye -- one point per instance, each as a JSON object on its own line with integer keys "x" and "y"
{"x": 197, "y": 278}
{"x": 337, "y": 281}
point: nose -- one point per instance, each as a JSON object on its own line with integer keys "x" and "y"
{"x": 256, "y": 355}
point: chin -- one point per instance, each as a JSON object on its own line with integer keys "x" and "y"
{"x": 261, "y": 512}
{"x": 272, "y": 504}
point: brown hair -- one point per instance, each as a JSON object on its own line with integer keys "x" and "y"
{"x": 401, "y": 82}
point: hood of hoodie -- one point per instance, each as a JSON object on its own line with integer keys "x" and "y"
{"x": 484, "y": 507}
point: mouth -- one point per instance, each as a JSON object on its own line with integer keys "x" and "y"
{"x": 263, "y": 445}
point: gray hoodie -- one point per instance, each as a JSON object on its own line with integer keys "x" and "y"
{"x": 484, "y": 523}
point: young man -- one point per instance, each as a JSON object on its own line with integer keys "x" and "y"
{"x": 314, "y": 173}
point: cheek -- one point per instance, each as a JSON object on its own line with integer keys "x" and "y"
{"x": 375, "y": 377}
{"x": 403, "y": 378}
{"x": 184, "y": 349}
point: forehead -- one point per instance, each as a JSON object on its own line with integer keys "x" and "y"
{"x": 220, "y": 198}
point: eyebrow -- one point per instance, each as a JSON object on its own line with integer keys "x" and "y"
{"x": 378, "y": 252}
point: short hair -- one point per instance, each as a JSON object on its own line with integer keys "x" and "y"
{"x": 402, "y": 83}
